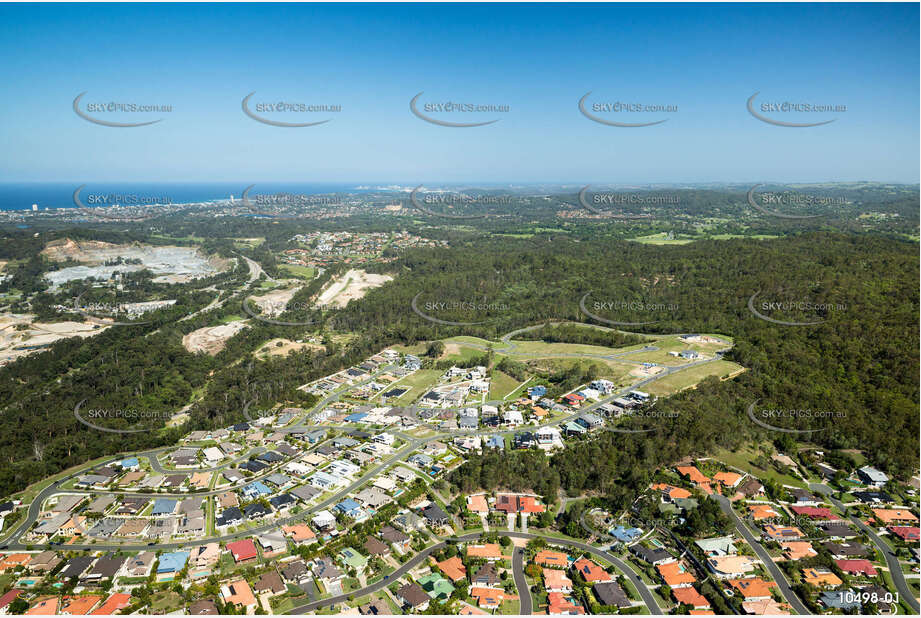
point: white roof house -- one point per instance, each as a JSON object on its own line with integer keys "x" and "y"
{"x": 324, "y": 519}
{"x": 384, "y": 438}
{"x": 872, "y": 476}
{"x": 385, "y": 483}
{"x": 213, "y": 454}
{"x": 298, "y": 468}
{"x": 341, "y": 468}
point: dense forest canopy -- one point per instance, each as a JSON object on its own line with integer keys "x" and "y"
{"x": 860, "y": 361}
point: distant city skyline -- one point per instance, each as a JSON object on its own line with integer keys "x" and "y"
{"x": 531, "y": 64}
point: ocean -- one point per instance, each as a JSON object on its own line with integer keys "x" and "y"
{"x": 21, "y": 196}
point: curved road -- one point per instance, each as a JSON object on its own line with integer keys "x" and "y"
{"x": 34, "y": 507}
{"x": 524, "y": 593}
{"x": 648, "y": 598}
{"x": 412, "y": 445}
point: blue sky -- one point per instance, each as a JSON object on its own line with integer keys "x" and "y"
{"x": 537, "y": 59}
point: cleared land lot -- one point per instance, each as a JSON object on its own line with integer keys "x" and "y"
{"x": 661, "y": 239}
{"x": 687, "y": 378}
{"x": 301, "y": 272}
{"x": 19, "y": 331}
{"x": 418, "y": 383}
{"x": 352, "y": 285}
{"x": 212, "y": 339}
{"x": 501, "y": 384}
{"x": 536, "y": 348}
{"x": 271, "y": 348}
{"x": 273, "y": 303}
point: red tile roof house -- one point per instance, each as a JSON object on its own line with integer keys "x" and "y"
{"x": 906, "y": 533}
{"x": 815, "y": 513}
{"x": 243, "y": 551}
{"x": 591, "y": 571}
{"x": 556, "y": 581}
{"x": 574, "y": 399}
{"x": 690, "y": 596}
{"x": 559, "y": 604}
{"x": 857, "y": 567}
{"x": 696, "y": 476}
{"x": 490, "y": 598}
{"x": 507, "y": 503}
{"x": 8, "y": 598}
{"x": 550, "y": 558}
{"x": 518, "y": 503}
{"x": 117, "y": 601}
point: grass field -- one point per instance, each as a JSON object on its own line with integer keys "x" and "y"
{"x": 660, "y": 357}
{"x": 248, "y": 243}
{"x": 751, "y": 236}
{"x": 536, "y": 348}
{"x": 501, "y": 384}
{"x": 691, "y": 376}
{"x": 743, "y": 458}
{"x": 458, "y": 352}
{"x": 610, "y": 369}
{"x": 418, "y": 383}
{"x": 417, "y": 349}
{"x": 301, "y": 272}
{"x": 467, "y": 339}
{"x": 661, "y": 239}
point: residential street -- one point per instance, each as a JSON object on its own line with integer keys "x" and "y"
{"x": 775, "y": 571}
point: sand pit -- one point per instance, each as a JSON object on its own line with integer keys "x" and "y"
{"x": 171, "y": 264}
{"x": 703, "y": 340}
{"x": 351, "y": 286}
{"x": 19, "y": 336}
{"x": 272, "y": 348}
{"x": 212, "y": 339}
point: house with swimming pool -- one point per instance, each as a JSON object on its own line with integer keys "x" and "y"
{"x": 171, "y": 564}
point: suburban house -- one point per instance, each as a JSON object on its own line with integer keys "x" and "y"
{"x": 412, "y": 595}
{"x": 243, "y": 550}
{"x": 239, "y": 593}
